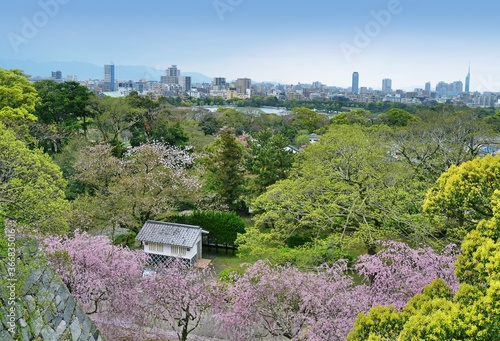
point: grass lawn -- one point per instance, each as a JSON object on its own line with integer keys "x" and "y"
{"x": 221, "y": 261}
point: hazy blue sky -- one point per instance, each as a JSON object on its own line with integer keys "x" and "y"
{"x": 268, "y": 40}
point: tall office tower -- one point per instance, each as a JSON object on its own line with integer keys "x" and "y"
{"x": 172, "y": 75}
{"x": 442, "y": 88}
{"x": 467, "y": 81}
{"x": 428, "y": 86}
{"x": 242, "y": 85}
{"x": 355, "y": 83}
{"x": 219, "y": 83}
{"x": 457, "y": 87}
{"x": 186, "y": 83}
{"x": 57, "y": 75}
{"x": 386, "y": 85}
{"x": 316, "y": 85}
{"x": 109, "y": 77}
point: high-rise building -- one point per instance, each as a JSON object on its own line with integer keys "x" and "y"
{"x": 172, "y": 75}
{"x": 428, "y": 86}
{"x": 467, "y": 81}
{"x": 57, "y": 75}
{"x": 449, "y": 89}
{"x": 386, "y": 85}
{"x": 186, "y": 83}
{"x": 316, "y": 85}
{"x": 355, "y": 83}
{"x": 456, "y": 88}
{"x": 219, "y": 83}
{"x": 109, "y": 77}
{"x": 242, "y": 85}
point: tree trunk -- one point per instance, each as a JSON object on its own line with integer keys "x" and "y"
{"x": 185, "y": 332}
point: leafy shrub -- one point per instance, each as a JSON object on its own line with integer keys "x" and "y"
{"x": 223, "y": 227}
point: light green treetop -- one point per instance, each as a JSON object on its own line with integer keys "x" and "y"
{"x": 18, "y": 97}
{"x": 31, "y": 186}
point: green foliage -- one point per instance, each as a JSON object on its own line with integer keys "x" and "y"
{"x": 127, "y": 239}
{"x": 114, "y": 116}
{"x": 18, "y": 97}
{"x": 223, "y": 227}
{"x": 148, "y": 181}
{"x": 209, "y": 124}
{"x": 462, "y": 195}
{"x": 32, "y": 187}
{"x": 63, "y": 103}
{"x": 268, "y": 160}
{"x": 381, "y": 323}
{"x": 3, "y": 240}
{"x": 354, "y": 117}
{"x": 346, "y": 183}
{"x": 224, "y": 164}
{"x": 308, "y": 119}
{"x": 255, "y": 245}
{"x": 398, "y": 118}
{"x": 473, "y": 313}
{"x": 311, "y": 254}
{"x": 234, "y": 119}
{"x": 441, "y": 139}
{"x": 228, "y": 275}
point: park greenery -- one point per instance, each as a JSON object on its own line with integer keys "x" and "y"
{"x": 384, "y": 229}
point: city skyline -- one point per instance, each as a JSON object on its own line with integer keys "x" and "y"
{"x": 409, "y": 42}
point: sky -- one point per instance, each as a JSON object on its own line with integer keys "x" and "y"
{"x": 409, "y": 41}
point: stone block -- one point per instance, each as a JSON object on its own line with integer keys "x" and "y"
{"x": 68, "y": 311}
{"x": 76, "y": 329}
{"x": 29, "y": 302}
{"x": 60, "y": 328}
{"x": 5, "y": 336}
{"x": 36, "y": 323}
{"x": 48, "y": 334}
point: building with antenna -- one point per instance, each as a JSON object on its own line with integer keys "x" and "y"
{"x": 467, "y": 82}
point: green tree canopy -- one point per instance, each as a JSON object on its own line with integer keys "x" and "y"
{"x": 355, "y": 116}
{"x": 63, "y": 103}
{"x": 398, "y": 117}
{"x": 347, "y": 183}
{"x": 148, "y": 181}
{"x": 441, "y": 139}
{"x": 472, "y": 313}
{"x": 18, "y": 97}
{"x": 31, "y": 187}
{"x": 115, "y": 116}
{"x": 462, "y": 196}
{"x": 308, "y": 119}
{"x": 269, "y": 161}
{"x": 224, "y": 169}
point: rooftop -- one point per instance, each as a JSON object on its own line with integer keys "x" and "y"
{"x": 169, "y": 233}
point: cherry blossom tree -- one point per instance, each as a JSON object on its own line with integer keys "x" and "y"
{"x": 397, "y": 272}
{"x": 323, "y": 305}
{"x": 148, "y": 181}
{"x": 101, "y": 277}
{"x": 181, "y": 296}
{"x": 266, "y": 300}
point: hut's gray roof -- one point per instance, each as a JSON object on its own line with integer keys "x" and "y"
{"x": 169, "y": 233}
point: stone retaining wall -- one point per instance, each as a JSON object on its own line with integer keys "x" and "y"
{"x": 44, "y": 307}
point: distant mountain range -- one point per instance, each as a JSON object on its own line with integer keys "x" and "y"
{"x": 86, "y": 71}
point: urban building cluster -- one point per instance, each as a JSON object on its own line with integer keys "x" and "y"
{"x": 174, "y": 84}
